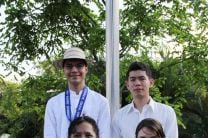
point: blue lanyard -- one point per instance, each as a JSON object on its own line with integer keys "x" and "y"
{"x": 79, "y": 106}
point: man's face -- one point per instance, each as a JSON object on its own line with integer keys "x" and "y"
{"x": 84, "y": 130}
{"x": 138, "y": 83}
{"x": 147, "y": 133}
{"x": 75, "y": 71}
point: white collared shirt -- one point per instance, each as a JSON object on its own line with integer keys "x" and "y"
{"x": 56, "y": 123}
{"x": 127, "y": 118}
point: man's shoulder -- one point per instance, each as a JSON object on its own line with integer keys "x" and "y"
{"x": 57, "y": 97}
{"x": 121, "y": 113}
{"x": 95, "y": 94}
{"x": 124, "y": 109}
{"x": 99, "y": 99}
{"x": 162, "y": 106}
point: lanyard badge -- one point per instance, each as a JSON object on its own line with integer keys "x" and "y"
{"x": 79, "y": 106}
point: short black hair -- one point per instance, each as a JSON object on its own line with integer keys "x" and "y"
{"x": 151, "y": 124}
{"x": 78, "y": 121}
{"x": 139, "y": 66}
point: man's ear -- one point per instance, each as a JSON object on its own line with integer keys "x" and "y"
{"x": 152, "y": 81}
{"x": 86, "y": 68}
{"x": 127, "y": 84}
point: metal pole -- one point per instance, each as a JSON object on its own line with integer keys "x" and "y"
{"x": 112, "y": 54}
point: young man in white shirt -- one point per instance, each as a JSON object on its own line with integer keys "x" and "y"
{"x": 77, "y": 100}
{"x": 138, "y": 81}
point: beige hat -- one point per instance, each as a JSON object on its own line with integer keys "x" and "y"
{"x": 71, "y": 53}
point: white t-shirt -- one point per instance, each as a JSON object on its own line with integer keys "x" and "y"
{"x": 127, "y": 118}
{"x": 56, "y": 123}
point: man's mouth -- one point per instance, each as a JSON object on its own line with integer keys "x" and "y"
{"x": 72, "y": 76}
{"x": 138, "y": 89}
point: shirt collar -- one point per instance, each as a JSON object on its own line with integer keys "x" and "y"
{"x": 74, "y": 93}
{"x": 131, "y": 107}
{"x": 150, "y": 104}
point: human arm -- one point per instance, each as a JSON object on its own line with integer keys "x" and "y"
{"x": 171, "y": 126}
{"x": 115, "y": 130}
{"x": 49, "y": 122}
{"x": 104, "y": 120}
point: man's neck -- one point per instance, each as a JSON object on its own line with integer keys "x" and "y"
{"x": 139, "y": 102}
{"x": 76, "y": 88}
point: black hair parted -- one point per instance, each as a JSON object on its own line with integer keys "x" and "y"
{"x": 73, "y": 126}
{"x": 151, "y": 124}
{"x": 139, "y": 66}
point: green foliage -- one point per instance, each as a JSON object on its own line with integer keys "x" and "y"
{"x": 40, "y": 28}
{"x": 96, "y": 76}
{"x": 23, "y": 107}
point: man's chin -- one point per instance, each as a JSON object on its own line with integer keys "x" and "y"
{"x": 138, "y": 94}
{"x": 76, "y": 82}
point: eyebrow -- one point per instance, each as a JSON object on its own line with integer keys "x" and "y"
{"x": 83, "y": 132}
{"x": 74, "y": 63}
{"x": 88, "y": 133}
{"x": 137, "y": 77}
{"x": 150, "y": 137}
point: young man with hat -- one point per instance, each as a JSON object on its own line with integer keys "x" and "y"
{"x": 77, "y": 100}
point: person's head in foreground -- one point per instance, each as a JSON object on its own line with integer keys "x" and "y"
{"x": 83, "y": 127}
{"x": 149, "y": 128}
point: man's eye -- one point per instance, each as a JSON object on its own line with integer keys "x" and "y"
{"x": 80, "y": 65}
{"x": 77, "y": 135}
{"x": 133, "y": 79}
{"x": 142, "y": 78}
{"x": 69, "y": 65}
{"x": 88, "y": 135}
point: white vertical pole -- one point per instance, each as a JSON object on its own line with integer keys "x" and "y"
{"x": 112, "y": 54}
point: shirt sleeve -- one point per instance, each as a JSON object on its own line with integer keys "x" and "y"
{"x": 49, "y": 122}
{"x": 104, "y": 120}
{"x": 171, "y": 127}
{"x": 115, "y": 130}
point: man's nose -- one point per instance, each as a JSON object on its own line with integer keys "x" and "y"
{"x": 137, "y": 82}
{"x": 83, "y": 136}
{"x": 74, "y": 68}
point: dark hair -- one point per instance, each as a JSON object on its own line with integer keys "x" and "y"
{"x": 151, "y": 124}
{"x": 78, "y": 121}
{"x": 138, "y": 66}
